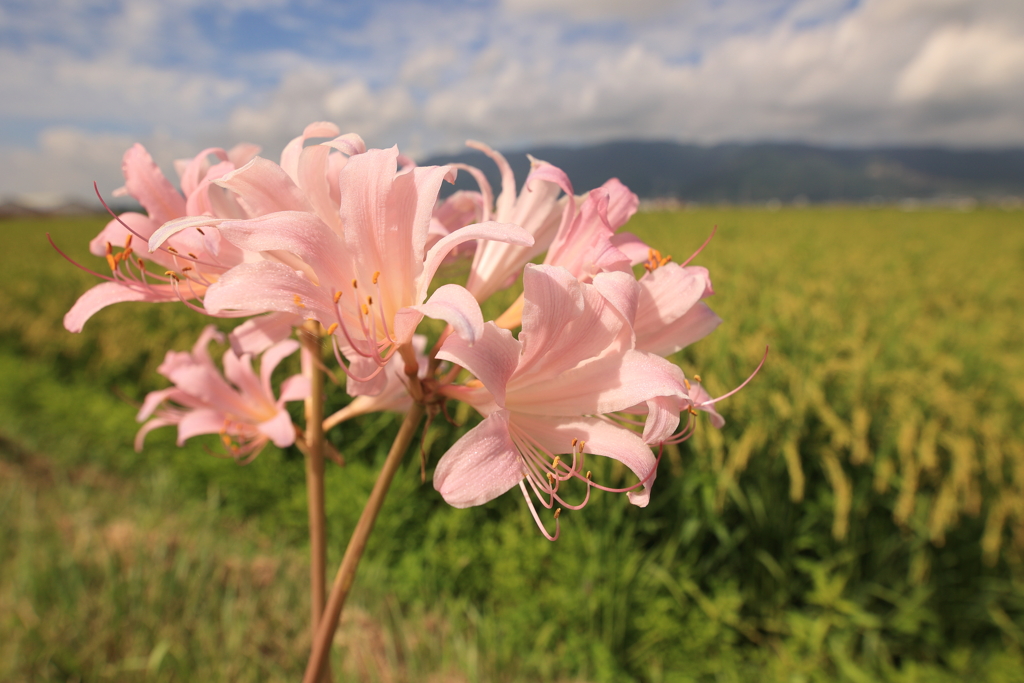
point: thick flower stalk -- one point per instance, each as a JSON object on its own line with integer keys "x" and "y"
{"x": 239, "y": 405}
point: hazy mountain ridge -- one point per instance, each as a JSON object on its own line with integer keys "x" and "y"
{"x": 747, "y": 173}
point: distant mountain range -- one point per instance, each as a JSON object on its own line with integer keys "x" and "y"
{"x": 766, "y": 172}
{"x": 668, "y": 173}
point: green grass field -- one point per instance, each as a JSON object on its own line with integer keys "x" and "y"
{"x": 860, "y": 517}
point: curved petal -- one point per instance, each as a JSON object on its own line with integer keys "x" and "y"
{"x": 201, "y": 421}
{"x": 295, "y": 388}
{"x": 697, "y": 323}
{"x": 155, "y": 423}
{"x": 115, "y": 233}
{"x": 492, "y": 359}
{"x": 293, "y": 150}
{"x": 622, "y": 203}
{"x": 107, "y": 293}
{"x": 195, "y": 169}
{"x": 263, "y": 187}
{"x": 153, "y": 400}
{"x": 272, "y": 358}
{"x": 268, "y": 286}
{"x": 635, "y": 249}
{"x": 258, "y": 334}
{"x": 450, "y": 303}
{"x": 144, "y": 181}
{"x": 600, "y": 438}
{"x": 480, "y": 466}
{"x": 605, "y": 385}
{"x": 298, "y": 232}
{"x": 492, "y": 231}
{"x": 279, "y": 429}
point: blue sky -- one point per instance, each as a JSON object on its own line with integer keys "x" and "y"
{"x": 83, "y": 79}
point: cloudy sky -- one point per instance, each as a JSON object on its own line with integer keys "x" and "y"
{"x": 83, "y": 79}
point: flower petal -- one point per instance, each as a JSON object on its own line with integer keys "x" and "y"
{"x": 600, "y": 438}
{"x": 492, "y": 231}
{"x": 450, "y": 303}
{"x": 263, "y": 187}
{"x": 492, "y": 359}
{"x": 201, "y": 421}
{"x": 144, "y": 181}
{"x": 107, "y": 293}
{"x": 480, "y": 466}
{"x": 279, "y": 429}
{"x": 257, "y": 334}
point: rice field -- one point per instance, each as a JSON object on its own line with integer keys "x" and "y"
{"x": 860, "y": 517}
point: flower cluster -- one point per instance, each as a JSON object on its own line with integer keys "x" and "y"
{"x": 351, "y": 238}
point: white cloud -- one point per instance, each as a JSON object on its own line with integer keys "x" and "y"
{"x": 593, "y": 9}
{"x": 67, "y": 160}
{"x": 965, "y": 64}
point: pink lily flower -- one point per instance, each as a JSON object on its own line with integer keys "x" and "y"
{"x": 537, "y": 209}
{"x": 587, "y": 243}
{"x": 194, "y": 258}
{"x": 239, "y": 405}
{"x": 671, "y": 313}
{"x": 555, "y": 391}
{"x": 368, "y": 284}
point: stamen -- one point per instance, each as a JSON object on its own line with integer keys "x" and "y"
{"x": 558, "y": 512}
{"x": 355, "y": 284}
{"x": 697, "y": 377}
{"x": 298, "y": 301}
{"x": 332, "y": 328}
{"x": 111, "y": 261}
{"x": 366, "y": 310}
{"x": 192, "y": 255}
{"x": 172, "y": 250}
{"x": 337, "y": 297}
{"x": 128, "y": 241}
{"x": 376, "y": 274}
{"x": 200, "y": 231}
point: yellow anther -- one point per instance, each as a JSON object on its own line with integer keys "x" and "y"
{"x": 142, "y": 264}
{"x": 128, "y": 241}
{"x": 355, "y": 284}
{"x": 692, "y": 411}
{"x": 582, "y": 444}
{"x": 331, "y": 329}
{"x": 337, "y": 297}
{"x": 200, "y": 231}
{"x": 171, "y": 274}
{"x": 227, "y": 440}
{"x": 298, "y": 301}
{"x": 111, "y": 261}
{"x": 127, "y": 252}
{"x": 686, "y": 383}
{"x": 558, "y": 512}
{"x": 697, "y": 377}
{"x": 192, "y": 255}
{"x": 110, "y": 249}
{"x": 551, "y": 479}
{"x": 186, "y": 269}
{"x": 172, "y": 250}
{"x": 376, "y": 274}
{"x": 590, "y": 475}
{"x": 574, "y": 441}
{"x": 556, "y": 462}
{"x": 366, "y": 310}
{"x": 369, "y": 300}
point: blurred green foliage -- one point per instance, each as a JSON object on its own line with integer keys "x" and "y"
{"x": 860, "y": 517}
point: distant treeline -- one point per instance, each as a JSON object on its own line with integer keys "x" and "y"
{"x": 748, "y": 173}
